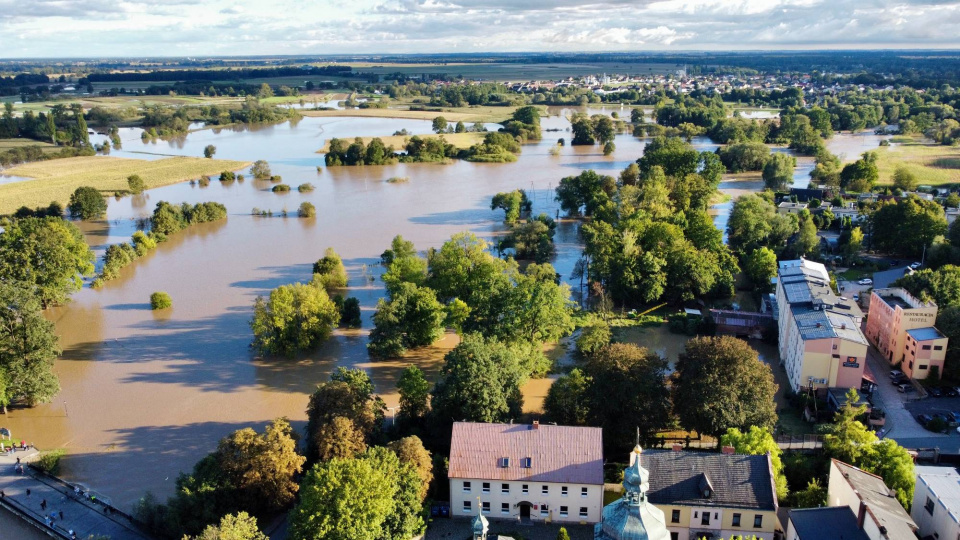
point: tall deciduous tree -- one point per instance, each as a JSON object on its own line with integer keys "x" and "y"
{"x": 412, "y": 317}
{"x": 28, "y": 347}
{"x": 241, "y": 526}
{"x": 778, "y": 171}
{"x": 566, "y": 402}
{"x": 48, "y": 255}
{"x": 761, "y": 266}
{"x": 348, "y": 394}
{"x": 87, "y": 203}
{"x": 411, "y": 452}
{"x": 294, "y": 318}
{"x": 414, "y": 394}
{"x": 720, "y": 383}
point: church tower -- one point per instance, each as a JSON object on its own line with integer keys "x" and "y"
{"x": 632, "y": 517}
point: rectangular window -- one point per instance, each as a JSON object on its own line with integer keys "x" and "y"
{"x": 525, "y": 489}
{"x": 705, "y": 518}
{"x": 675, "y": 516}
{"x": 929, "y": 506}
{"x": 758, "y": 521}
{"x": 486, "y": 507}
{"x": 583, "y": 492}
{"x": 466, "y": 507}
{"x": 545, "y": 490}
{"x": 938, "y": 347}
{"x": 583, "y": 511}
{"x": 486, "y": 487}
{"x": 466, "y": 487}
{"x": 563, "y": 491}
{"x": 736, "y": 520}
{"x": 921, "y": 367}
{"x": 926, "y": 347}
{"x": 563, "y": 511}
{"x": 504, "y": 508}
{"x": 544, "y": 511}
{"x": 674, "y": 536}
{"x": 505, "y": 488}
{"x": 526, "y": 463}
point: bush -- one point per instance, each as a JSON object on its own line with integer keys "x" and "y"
{"x": 160, "y": 300}
{"x": 136, "y": 184}
{"x": 276, "y": 178}
{"x": 260, "y": 169}
{"x": 306, "y": 210}
{"x": 227, "y": 176}
{"x": 280, "y": 188}
{"x": 209, "y": 151}
{"x": 49, "y": 462}
{"x": 609, "y": 148}
{"x": 305, "y": 188}
{"x": 350, "y": 313}
{"x": 204, "y": 181}
{"x": 398, "y": 180}
{"x": 593, "y": 338}
{"x": 87, "y": 203}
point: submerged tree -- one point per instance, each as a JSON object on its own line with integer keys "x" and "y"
{"x": 293, "y": 318}
{"x": 28, "y": 347}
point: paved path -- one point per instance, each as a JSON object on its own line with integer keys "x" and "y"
{"x": 80, "y": 515}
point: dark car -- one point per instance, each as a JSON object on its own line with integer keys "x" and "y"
{"x": 902, "y": 379}
{"x": 949, "y": 391}
{"x": 934, "y": 391}
{"x": 924, "y": 419}
{"x": 906, "y": 388}
{"x": 947, "y": 418}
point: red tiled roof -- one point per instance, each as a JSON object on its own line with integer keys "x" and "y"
{"x": 557, "y": 453}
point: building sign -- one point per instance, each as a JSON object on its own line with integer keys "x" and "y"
{"x": 851, "y": 362}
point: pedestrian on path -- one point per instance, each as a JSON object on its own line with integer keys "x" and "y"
{"x": 28, "y": 493}
{"x": 61, "y": 515}
{"x": 43, "y": 504}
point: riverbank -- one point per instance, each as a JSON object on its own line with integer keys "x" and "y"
{"x": 398, "y": 142}
{"x": 459, "y": 114}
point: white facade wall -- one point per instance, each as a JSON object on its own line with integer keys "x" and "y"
{"x": 555, "y": 500}
{"x": 937, "y": 521}
{"x": 841, "y": 493}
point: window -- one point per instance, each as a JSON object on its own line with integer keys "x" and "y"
{"x": 926, "y": 347}
{"x": 545, "y": 490}
{"x": 525, "y": 463}
{"x": 563, "y": 491}
{"x": 911, "y": 364}
{"x": 544, "y": 511}
{"x": 583, "y": 492}
{"x": 758, "y": 521}
{"x": 705, "y": 518}
{"x": 583, "y": 511}
{"x": 504, "y": 508}
{"x": 938, "y": 347}
{"x": 674, "y": 536}
{"x": 929, "y": 506}
{"x": 486, "y": 507}
{"x": 505, "y": 488}
{"x": 525, "y": 488}
{"x": 921, "y": 367}
{"x": 466, "y": 487}
{"x": 563, "y": 511}
{"x": 486, "y": 487}
{"x": 466, "y": 507}
{"x": 834, "y": 346}
{"x": 675, "y": 516}
{"x": 736, "y": 520}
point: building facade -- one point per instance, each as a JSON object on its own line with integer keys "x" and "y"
{"x": 936, "y": 502}
{"x": 878, "y": 513}
{"x": 902, "y": 328}
{"x": 534, "y": 472}
{"x": 713, "y": 495}
{"x": 821, "y": 345}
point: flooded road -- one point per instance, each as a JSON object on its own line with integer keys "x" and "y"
{"x": 146, "y": 395}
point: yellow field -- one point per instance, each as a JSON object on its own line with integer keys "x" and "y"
{"x": 459, "y": 140}
{"x": 933, "y": 164}
{"x": 55, "y": 180}
{"x": 465, "y": 114}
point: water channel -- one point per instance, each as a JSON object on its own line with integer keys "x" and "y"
{"x": 145, "y": 395}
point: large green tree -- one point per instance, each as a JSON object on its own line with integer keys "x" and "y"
{"x": 412, "y": 317}
{"x": 348, "y": 395}
{"x": 761, "y": 266}
{"x": 566, "y": 402}
{"x": 778, "y": 171}
{"x": 754, "y": 222}
{"x": 48, "y": 255}
{"x": 241, "y": 526}
{"x": 28, "y": 347}
{"x": 294, "y": 318}
{"x": 721, "y": 383}
{"x": 87, "y": 203}
{"x": 414, "y": 393}
{"x": 907, "y": 226}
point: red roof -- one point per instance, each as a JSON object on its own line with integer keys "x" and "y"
{"x": 562, "y": 454}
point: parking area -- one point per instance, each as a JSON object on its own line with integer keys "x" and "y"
{"x": 902, "y": 408}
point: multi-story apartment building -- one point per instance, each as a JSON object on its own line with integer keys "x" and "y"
{"x": 902, "y": 328}
{"x": 527, "y": 472}
{"x": 821, "y": 345}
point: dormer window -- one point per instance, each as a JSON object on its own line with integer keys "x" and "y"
{"x": 526, "y": 462}
{"x": 706, "y": 488}
{"x": 505, "y": 462}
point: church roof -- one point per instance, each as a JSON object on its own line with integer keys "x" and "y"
{"x": 736, "y": 481}
{"x": 538, "y": 453}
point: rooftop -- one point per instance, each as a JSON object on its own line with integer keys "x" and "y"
{"x": 944, "y": 482}
{"x": 899, "y": 297}
{"x": 881, "y": 502}
{"x": 818, "y": 312}
{"x": 543, "y": 453}
{"x": 925, "y": 334}
{"x": 829, "y": 523}
{"x": 737, "y": 481}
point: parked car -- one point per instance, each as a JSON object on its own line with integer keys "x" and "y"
{"x": 856, "y": 298}
{"x": 924, "y": 419}
{"x": 895, "y": 373}
{"x": 934, "y": 391}
{"x": 950, "y": 391}
{"x": 948, "y": 418}
{"x": 865, "y": 281}
{"x": 902, "y": 379}
{"x": 906, "y": 388}
{"x": 915, "y": 265}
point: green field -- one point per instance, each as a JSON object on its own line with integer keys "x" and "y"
{"x": 55, "y": 180}
{"x": 9, "y": 144}
{"x": 933, "y": 164}
{"x": 458, "y": 140}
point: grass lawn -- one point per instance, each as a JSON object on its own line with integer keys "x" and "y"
{"x": 56, "y": 179}
{"x": 933, "y": 164}
{"x": 854, "y": 274}
{"x": 459, "y": 140}
{"x": 9, "y": 144}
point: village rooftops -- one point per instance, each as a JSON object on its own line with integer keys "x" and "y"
{"x": 537, "y": 452}
{"x": 734, "y": 480}
{"x": 820, "y": 324}
{"x": 828, "y": 523}
{"x": 899, "y": 297}
{"x": 925, "y": 334}
{"x": 881, "y": 502}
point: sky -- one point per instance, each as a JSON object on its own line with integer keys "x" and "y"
{"x": 99, "y": 28}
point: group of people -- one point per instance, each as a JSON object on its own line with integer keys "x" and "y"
{"x": 14, "y": 447}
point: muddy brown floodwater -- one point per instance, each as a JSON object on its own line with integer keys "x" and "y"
{"x": 145, "y": 395}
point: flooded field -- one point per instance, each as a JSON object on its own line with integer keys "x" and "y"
{"x": 146, "y": 395}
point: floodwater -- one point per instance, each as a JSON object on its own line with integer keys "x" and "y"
{"x": 145, "y": 394}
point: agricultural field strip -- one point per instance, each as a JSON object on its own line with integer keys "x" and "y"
{"x": 459, "y": 140}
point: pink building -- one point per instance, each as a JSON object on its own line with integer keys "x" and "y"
{"x": 902, "y": 328}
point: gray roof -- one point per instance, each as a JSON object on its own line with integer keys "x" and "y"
{"x": 819, "y": 324}
{"x": 817, "y": 311}
{"x": 882, "y": 504}
{"x": 570, "y": 454}
{"x": 738, "y": 481}
{"x": 831, "y": 523}
{"x": 924, "y": 334}
{"x": 944, "y": 482}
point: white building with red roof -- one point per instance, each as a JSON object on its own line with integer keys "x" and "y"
{"x": 538, "y": 472}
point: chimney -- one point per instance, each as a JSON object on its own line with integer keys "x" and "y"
{"x": 677, "y": 447}
{"x": 861, "y": 515}
{"x": 536, "y": 424}
{"x": 728, "y": 450}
